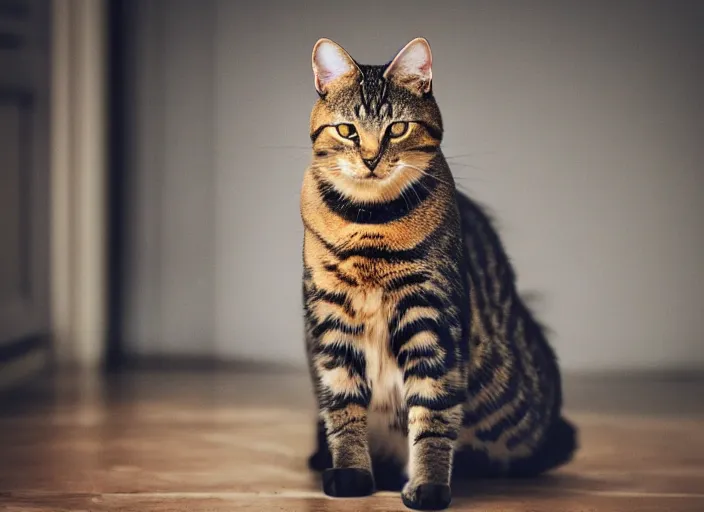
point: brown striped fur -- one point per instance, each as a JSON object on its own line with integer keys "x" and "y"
{"x": 426, "y": 363}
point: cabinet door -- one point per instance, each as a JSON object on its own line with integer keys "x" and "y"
{"x": 24, "y": 179}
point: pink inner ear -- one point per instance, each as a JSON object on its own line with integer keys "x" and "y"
{"x": 413, "y": 64}
{"x": 330, "y": 63}
{"x": 415, "y": 61}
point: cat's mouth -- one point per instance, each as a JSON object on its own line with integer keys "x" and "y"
{"x": 371, "y": 175}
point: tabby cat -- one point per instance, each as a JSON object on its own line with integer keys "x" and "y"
{"x": 425, "y": 361}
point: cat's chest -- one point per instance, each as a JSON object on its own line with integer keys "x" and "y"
{"x": 368, "y": 273}
{"x": 382, "y": 372}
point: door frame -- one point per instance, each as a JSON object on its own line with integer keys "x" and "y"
{"x": 79, "y": 228}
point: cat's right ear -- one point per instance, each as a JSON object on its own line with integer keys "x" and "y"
{"x": 331, "y": 63}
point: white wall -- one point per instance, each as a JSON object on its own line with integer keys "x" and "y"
{"x": 579, "y": 123}
{"x": 170, "y": 287}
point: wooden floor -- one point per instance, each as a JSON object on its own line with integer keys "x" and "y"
{"x": 225, "y": 441}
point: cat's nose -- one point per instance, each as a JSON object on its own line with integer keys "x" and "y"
{"x": 371, "y": 163}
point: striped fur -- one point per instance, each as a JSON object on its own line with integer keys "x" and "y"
{"x": 425, "y": 361}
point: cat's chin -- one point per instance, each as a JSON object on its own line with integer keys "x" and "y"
{"x": 378, "y": 189}
{"x": 370, "y": 178}
{"x": 370, "y": 189}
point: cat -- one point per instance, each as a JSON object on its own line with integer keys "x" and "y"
{"x": 426, "y": 363}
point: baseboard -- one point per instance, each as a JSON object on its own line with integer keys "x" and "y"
{"x": 22, "y": 361}
{"x": 205, "y": 363}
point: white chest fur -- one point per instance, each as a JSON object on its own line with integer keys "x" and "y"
{"x": 384, "y": 377}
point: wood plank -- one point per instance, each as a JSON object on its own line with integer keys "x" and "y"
{"x": 239, "y": 441}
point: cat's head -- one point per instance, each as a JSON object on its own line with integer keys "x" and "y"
{"x": 374, "y": 128}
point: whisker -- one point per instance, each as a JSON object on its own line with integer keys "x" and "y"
{"x": 470, "y": 178}
{"x": 424, "y": 186}
{"x": 405, "y": 199}
{"x": 416, "y": 193}
{"x": 425, "y": 173}
{"x": 462, "y": 188}
{"x": 460, "y": 155}
{"x": 306, "y": 148}
{"x": 462, "y": 164}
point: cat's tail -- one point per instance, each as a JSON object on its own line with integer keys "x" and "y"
{"x": 558, "y": 449}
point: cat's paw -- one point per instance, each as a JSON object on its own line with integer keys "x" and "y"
{"x": 426, "y": 496}
{"x": 348, "y": 482}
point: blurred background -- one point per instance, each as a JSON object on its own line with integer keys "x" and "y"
{"x": 151, "y": 155}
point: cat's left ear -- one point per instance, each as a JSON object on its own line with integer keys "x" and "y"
{"x": 412, "y": 67}
{"x": 331, "y": 63}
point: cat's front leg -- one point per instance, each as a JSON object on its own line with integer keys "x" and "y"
{"x": 434, "y": 421}
{"x": 344, "y": 402}
{"x": 431, "y": 435}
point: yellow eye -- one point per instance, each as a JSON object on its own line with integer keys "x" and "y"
{"x": 347, "y": 131}
{"x": 398, "y": 129}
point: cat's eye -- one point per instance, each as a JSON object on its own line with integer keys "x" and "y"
{"x": 398, "y": 129}
{"x": 347, "y": 131}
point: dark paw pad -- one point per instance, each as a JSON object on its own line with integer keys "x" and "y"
{"x": 348, "y": 482}
{"x": 427, "y": 497}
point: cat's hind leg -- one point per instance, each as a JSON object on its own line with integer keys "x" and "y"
{"x": 321, "y": 458}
